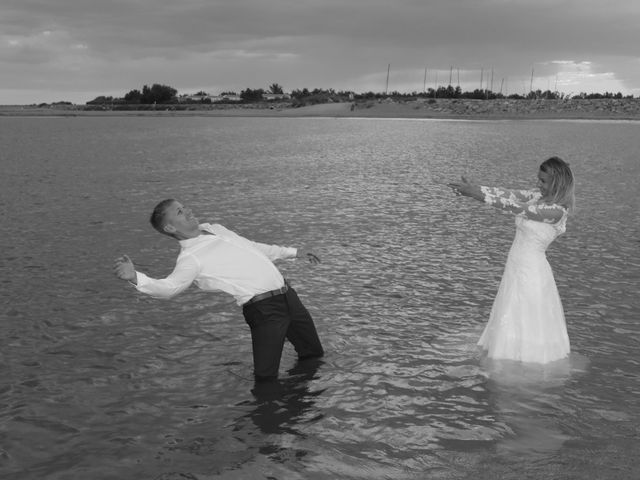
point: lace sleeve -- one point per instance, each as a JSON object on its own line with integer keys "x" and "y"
{"x": 524, "y": 195}
{"x": 523, "y": 202}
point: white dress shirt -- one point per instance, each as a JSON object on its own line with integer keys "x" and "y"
{"x": 221, "y": 260}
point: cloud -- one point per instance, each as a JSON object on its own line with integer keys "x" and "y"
{"x": 345, "y": 44}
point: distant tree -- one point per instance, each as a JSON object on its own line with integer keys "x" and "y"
{"x": 367, "y": 95}
{"x": 158, "y": 93}
{"x": 477, "y": 94}
{"x": 230, "y": 93}
{"x": 532, "y": 95}
{"x": 134, "y": 96}
{"x": 346, "y": 93}
{"x": 102, "y": 100}
{"x": 549, "y": 95}
{"x": 155, "y": 94}
{"x": 249, "y": 95}
{"x": 275, "y": 88}
{"x": 297, "y": 93}
{"x": 147, "y": 96}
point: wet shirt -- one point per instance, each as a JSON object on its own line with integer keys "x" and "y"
{"x": 221, "y": 260}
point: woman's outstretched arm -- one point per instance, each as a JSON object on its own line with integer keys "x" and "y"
{"x": 517, "y": 202}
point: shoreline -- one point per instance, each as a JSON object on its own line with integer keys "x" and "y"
{"x": 446, "y": 109}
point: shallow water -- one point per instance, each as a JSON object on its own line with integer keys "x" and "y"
{"x": 99, "y": 382}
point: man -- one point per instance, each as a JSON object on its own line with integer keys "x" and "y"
{"x": 215, "y": 258}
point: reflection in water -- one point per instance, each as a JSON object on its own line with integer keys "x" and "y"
{"x": 282, "y": 406}
{"x": 529, "y": 399}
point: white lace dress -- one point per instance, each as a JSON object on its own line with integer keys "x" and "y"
{"x": 527, "y": 321}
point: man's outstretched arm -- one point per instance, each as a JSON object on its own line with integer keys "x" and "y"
{"x": 183, "y": 275}
{"x": 275, "y": 252}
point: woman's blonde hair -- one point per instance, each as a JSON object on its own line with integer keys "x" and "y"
{"x": 561, "y": 189}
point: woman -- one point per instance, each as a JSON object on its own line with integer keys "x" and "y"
{"x": 527, "y": 321}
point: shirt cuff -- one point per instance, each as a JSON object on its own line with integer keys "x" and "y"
{"x": 142, "y": 280}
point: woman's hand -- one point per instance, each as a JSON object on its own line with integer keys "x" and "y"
{"x": 462, "y": 187}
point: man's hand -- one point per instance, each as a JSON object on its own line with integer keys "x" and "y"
{"x": 313, "y": 259}
{"x": 124, "y": 269}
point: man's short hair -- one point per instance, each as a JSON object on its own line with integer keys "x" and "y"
{"x": 157, "y": 216}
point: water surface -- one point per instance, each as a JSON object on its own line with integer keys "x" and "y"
{"x": 100, "y": 382}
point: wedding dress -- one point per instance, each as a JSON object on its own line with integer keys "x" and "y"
{"x": 527, "y": 321}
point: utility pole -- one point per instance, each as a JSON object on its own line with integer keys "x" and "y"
{"x": 531, "y": 84}
{"x": 435, "y": 86}
{"x": 386, "y": 92}
{"x": 450, "y": 74}
{"x": 424, "y": 83}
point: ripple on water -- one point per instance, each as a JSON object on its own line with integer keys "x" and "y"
{"x": 98, "y": 382}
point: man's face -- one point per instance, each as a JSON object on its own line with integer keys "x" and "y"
{"x": 179, "y": 219}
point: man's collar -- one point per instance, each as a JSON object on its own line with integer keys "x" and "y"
{"x": 205, "y": 231}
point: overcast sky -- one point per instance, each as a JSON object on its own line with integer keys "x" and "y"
{"x": 75, "y": 50}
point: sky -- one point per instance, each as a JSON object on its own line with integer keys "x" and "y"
{"x": 75, "y": 50}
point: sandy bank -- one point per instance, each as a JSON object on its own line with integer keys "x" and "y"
{"x": 615, "y": 109}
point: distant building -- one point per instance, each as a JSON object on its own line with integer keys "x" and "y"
{"x": 204, "y": 98}
{"x": 227, "y": 98}
{"x": 276, "y": 96}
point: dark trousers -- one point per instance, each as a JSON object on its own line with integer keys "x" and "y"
{"x": 271, "y": 321}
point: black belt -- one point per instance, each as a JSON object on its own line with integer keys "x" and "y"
{"x": 272, "y": 293}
